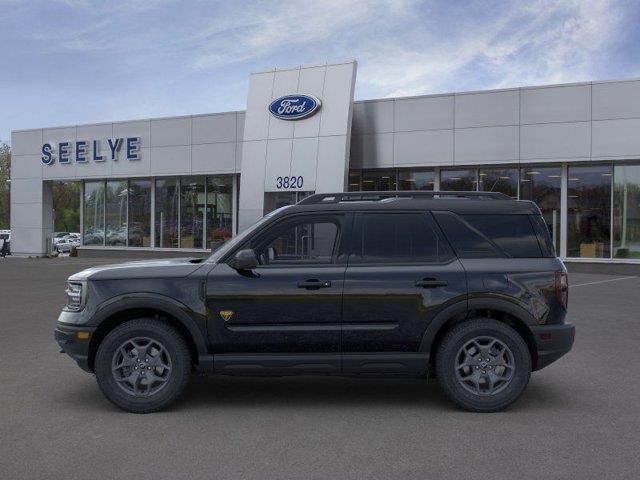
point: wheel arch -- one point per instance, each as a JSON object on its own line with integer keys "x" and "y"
{"x": 121, "y": 310}
{"x": 502, "y": 310}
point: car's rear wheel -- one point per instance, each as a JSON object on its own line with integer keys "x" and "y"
{"x": 143, "y": 365}
{"x": 483, "y": 365}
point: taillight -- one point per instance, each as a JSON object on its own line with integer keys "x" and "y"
{"x": 562, "y": 288}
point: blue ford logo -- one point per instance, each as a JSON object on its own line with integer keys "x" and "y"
{"x": 294, "y": 107}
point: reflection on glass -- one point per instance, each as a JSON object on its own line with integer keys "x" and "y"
{"x": 416, "y": 179}
{"x": 503, "y": 180}
{"x": 219, "y": 215}
{"x": 626, "y": 211}
{"x": 116, "y": 213}
{"x": 275, "y": 200}
{"x": 379, "y": 180}
{"x": 354, "y": 181}
{"x": 93, "y": 213}
{"x": 458, "y": 180}
{"x": 166, "y": 212}
{"x": 542, "y": 185}
{"x": 139, "y": 230}
{"x": 191, "y": 212}
{"x": 589, "y": 211}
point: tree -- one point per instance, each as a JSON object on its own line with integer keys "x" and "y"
{"x": 66, "y": 204}
{"x": 5, "y": 186}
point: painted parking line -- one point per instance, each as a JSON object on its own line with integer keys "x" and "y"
{"x": 601, "y": 281}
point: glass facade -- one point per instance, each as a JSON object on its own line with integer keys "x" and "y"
{"x": 543, "y": 186}
{"x": 219, "y": 210}
{"x": 626, "y": 212}
{"x": 379, "y": 180}
{"x": 167, "y": 212}
{"x": 458, "y": 180}
{"x": 275, "y": 200}
{"x": 503, "y": 180}
{"x": 589, "y": 211}
{"x": 93, "y": 208}
{"x": 139, "y": 211}
{"x": 192, "y": 212}
{"x": 185, "y": 212}
{"x": 416, "y": 179}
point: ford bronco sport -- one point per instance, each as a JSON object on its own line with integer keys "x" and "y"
{"x": 463, "y": 286}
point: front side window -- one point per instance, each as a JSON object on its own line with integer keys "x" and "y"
{"x": 397, "y": 238}
{"x": 299, "y": 241}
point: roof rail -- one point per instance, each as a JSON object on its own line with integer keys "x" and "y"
{"x": 320, "y": 198}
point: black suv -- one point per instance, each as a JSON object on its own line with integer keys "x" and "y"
{"x": 462, "y": 286}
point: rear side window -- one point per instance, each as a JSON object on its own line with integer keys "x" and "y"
{"x": 398, "y": 238}
{"x": 466, "y": 240}
{"x": 544, "y": 238}
{"x": 514, "y": 234}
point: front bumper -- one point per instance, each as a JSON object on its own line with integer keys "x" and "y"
{"x": 552, "y": 342}
{"x": 74, "y": 341}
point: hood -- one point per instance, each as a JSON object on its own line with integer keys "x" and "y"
{"x": 169, "y": 268}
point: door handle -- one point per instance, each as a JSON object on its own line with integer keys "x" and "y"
{"x": 430, "y": 283}
{"x": 314, "y": 284}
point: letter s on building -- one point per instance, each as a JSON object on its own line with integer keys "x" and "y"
{"x": 47, "y": 154}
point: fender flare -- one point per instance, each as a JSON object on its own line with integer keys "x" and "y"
{"x": 465, "y": 306}
{"x": 155, "y": 301}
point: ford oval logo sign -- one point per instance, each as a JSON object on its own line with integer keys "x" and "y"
{"x": 294, "y": 107}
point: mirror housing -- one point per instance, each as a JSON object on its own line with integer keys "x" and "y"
{"x": 244, "y": 260}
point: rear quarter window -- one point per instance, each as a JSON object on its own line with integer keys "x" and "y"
{"x": 514, "y": 234}
{"x": 491, "y": 235}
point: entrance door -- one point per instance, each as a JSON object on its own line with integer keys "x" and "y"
{"x": 290, "y": 305}
{"x": 401, "y": 273}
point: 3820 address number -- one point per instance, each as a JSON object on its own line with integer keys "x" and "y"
{"x": 289, "y": 182}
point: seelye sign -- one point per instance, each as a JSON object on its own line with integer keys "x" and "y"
{"x": 82, "y": 151}
{"x": 294, "y": 107}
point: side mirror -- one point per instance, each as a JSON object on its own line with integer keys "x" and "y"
{"x": 244, "y": 260}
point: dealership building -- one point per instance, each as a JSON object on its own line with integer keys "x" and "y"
{"x": 189, "y": 183}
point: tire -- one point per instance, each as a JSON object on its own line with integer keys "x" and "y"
{"x": 165, "y": 367}
{"x": 491, "y": 386}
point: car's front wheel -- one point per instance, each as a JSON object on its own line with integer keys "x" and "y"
{"x": 483, "y": 365}
{"x": 143, "y": 365}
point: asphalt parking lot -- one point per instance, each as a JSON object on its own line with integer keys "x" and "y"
{"x": 579, "y": 418}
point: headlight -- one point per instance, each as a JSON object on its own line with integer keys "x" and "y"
{"x": 76, "y": 296}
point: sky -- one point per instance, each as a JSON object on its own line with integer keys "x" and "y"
{"x": 80, "y": 61}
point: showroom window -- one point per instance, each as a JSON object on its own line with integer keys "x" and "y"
{"x": 542, "y": 185}
{"x": 219, "y": 210}
{"x": 379, "y": 180}
{"x": 416, "y": 179}
{"x": 354, "y": 181}
{"x": 275, "y": 200}
{"x": 589, "y": 211}
{"x": 503, "y": 180}
{"x": 166, "y": 212}
{"x": 626, "y": 211}
{"x": 116, "y": 213}
{"x": 458, "y": 180}
{"x": 93, "y": 213}
{"x": 139, "y": 231}
{"x": 192, "y": 203}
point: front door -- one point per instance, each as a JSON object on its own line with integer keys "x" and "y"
{"x": 401, "y": 273}
{"x": 288, "y": 307}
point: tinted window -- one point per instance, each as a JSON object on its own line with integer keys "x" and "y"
{"x": 514, "y": 234}
{"x": 544, "y": 239}
{"x": 303, "y": 241}
{"x": 468, "y": 242}
{"x": 398, "y": 237}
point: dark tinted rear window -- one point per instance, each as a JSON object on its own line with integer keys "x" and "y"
{"x": 398, "y": 237}
{"x": 544, "y": 238}
{"x": 514, "y": 234}
{"x": 467, "y": 242}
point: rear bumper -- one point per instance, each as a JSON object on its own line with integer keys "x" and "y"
{"x": 77, "y": 347}
{"x": 552, "y": 342}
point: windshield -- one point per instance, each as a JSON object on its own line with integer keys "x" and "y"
{"x": 241, "y": 237}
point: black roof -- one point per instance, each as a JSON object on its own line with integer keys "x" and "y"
{"x": 457, "y": 202}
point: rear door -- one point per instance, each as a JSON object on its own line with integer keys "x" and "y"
{"x": 401, "y": 272}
